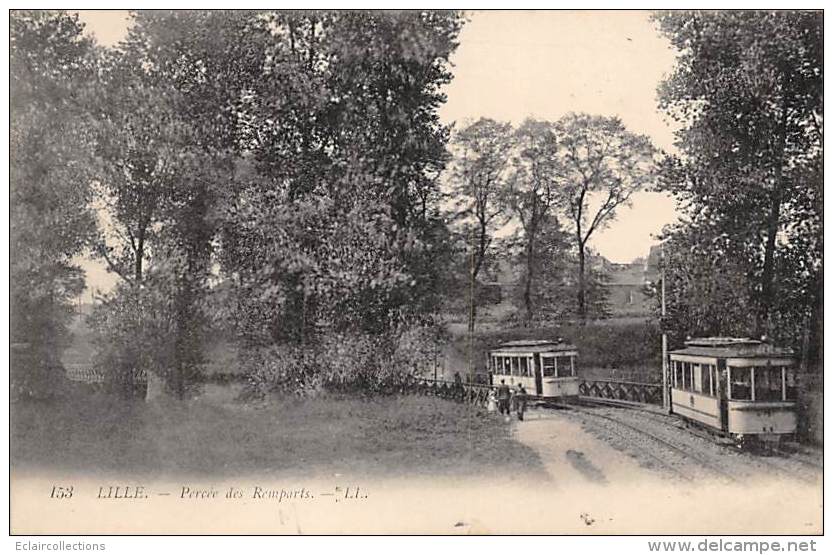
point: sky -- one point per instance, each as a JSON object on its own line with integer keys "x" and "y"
{"x": 542, "y": 64}
{"x": 514, "y": 65}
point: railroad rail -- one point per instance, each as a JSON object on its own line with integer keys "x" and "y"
{"x": 683, "y": 451}
{"x": 656, "y": 458}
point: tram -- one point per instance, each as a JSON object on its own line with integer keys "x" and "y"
{"x": 547, "y": 369}
{"x": 738, "y": 387}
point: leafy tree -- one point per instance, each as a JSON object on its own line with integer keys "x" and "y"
{"x": 50, "y": 65}
{"x": 597, "y": 159}
{"x": 139, "y": 142}
{"x": 167, "y": 138}
{"x": 532, "y": 195}
{"x": 748, "y": 90}
{"x": 482, "y": 152}
{"x": 141, "y": 145}
{"x": 334, "y": 224}
{"x": 554, "y": 287}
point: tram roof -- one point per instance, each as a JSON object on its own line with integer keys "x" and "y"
{"x": 534, "y": 346}
{"x": 735, "y": 347}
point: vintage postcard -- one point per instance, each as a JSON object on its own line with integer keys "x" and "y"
{"x": 416, "y": 272}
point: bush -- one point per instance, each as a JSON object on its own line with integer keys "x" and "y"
{"x": 135, "y": 333}
{"x": 363, "y": 362}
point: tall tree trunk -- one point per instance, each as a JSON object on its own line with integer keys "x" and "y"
{"x": 768, "y": 273}
{"x": 530, "y": 258}
{"x": 582, "y": 284}
{"x": 472, "y": 299}
{"x": 772, "y": 226}
{"x": 477, "y": 264}
{"x": 140, "y": 250}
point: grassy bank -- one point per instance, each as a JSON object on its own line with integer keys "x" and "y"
{"x": 216, "y": 435}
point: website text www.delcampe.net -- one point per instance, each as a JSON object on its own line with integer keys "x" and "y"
{"x": 739, "y": 546}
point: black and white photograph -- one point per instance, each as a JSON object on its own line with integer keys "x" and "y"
{"x": 416, "y": 272}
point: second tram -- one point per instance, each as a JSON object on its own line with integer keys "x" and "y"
{"x": 547, "y": 369}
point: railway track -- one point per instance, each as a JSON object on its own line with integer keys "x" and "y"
{"x": 656, "y": 458}
{"x": 684, "y": 452}
{"x": 781, "y": 464}
{"x": 656, "y": 415}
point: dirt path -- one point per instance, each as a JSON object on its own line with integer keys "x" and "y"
{"x": 573, "y": 456}
{"x": 609, "y": 445}
{"x": 634, "y": 473}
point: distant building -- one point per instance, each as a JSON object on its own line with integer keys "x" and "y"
{"x": 628, "y": 284}
{"x": 625, "y": 284}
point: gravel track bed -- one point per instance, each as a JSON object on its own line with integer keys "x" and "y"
{"x": 650, "y": 450}
{"x": 700, "y": 464}
{"x": 720, "y": 457}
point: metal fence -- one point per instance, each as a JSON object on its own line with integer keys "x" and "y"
{"x": 86, "y": 373}
{"x": 635, "y": 392}
{"x": 472, "y": 393}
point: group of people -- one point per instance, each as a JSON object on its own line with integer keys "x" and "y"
{"x": 508, "y": 400}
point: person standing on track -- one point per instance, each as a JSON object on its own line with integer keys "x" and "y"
{"x": 503, "y": 395}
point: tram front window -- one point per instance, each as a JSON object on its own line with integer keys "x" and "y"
{"x": 564, "y": 367}
{"x": 768, "y": 384}
{"x": 741, "y": 384}
{"x": 524, "y": 368}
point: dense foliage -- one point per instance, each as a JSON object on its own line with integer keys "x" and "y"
{"x": 273, "y": 173}
{"x": 50, "y": 64}
{"x": 747, "y": 258}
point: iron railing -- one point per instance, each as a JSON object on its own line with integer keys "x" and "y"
{"x": 635, "y": 392}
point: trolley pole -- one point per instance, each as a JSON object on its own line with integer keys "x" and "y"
{"x": 665, "y": 403}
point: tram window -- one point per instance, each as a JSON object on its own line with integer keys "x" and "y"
{"x": 697, "y": 378}
{"x": 705, "y": 379}
{"x": 792, "y": 386}
{"x": 506, "y": 370}
{"x": 741, "y": 384}
{"x": 712, "y": 376}
{"x": 768, "y": 383}
{"x": 687, "y": 376}
{"x": 563, "y": 367}
{"x": 524, "y": 367}
{"x": 720, "y": 377}
{"x": 548, "y": 366}
{"x": 515, "y": 365}
{"x": 678, "y": 374}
